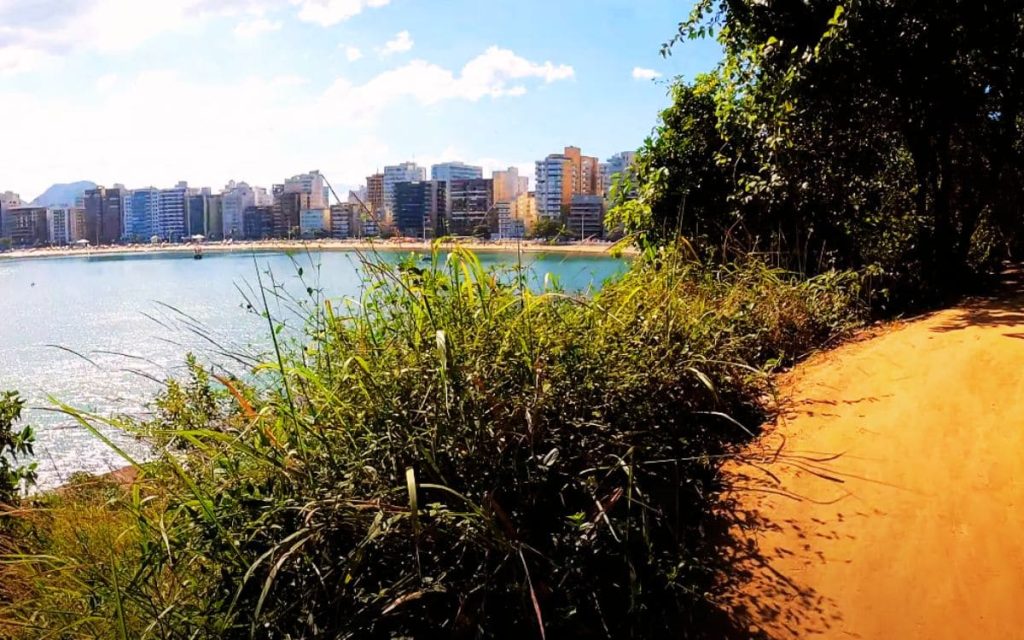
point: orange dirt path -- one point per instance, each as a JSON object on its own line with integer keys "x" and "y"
{"x": 916, "y": 530}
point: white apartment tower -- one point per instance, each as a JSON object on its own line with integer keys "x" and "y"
{"x": 553, "y": 185}
{"x": 311, "y": 183}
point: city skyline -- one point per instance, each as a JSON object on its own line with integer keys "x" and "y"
{"x": 147, "y": 93}
{"x": 571, "y": 189}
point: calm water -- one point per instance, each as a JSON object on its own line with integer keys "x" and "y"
{"x": 93, "y": 332}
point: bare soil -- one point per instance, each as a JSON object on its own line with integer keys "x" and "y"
{"x": 888, "y": 499}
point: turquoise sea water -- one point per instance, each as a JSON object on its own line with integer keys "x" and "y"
{"x": 97, "y": 333}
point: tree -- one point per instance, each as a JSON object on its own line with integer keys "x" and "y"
{"x": 547, "y": 229}
{"x": 14, "y": 444}
{"x": 482, "y": 231}
{"x": 882, "y": 133}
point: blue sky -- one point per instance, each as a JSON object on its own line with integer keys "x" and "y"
{"x": 155, "y": 91}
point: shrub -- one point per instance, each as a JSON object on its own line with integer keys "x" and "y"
{"x": 453, "y": 455}
{"x": 13, "y": 446}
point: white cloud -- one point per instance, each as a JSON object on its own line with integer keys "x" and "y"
{"x": 401, "y": 43}
{"x": 34, "y": 33}
{"x": 256, "y": 27}
{"x": 106, "y": 82}
{"x": 640, "y": 73}
{"x": 496, "y": 73}
{"x": 353, "y": 53}
{"x": 20, "y": 59}
{"x": 327, "y": 13}
{"x": 220, "y": 141}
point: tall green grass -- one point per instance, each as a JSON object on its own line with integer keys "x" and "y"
{"x": 453, "y": 454}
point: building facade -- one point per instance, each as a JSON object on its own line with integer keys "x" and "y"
{"x": 104, "y": 215}
{"x": 618, "y": 165}
{"x": 524, "y": 209}
{"x": 59, "y": 221}
{"x": 196, "y": 215}
{"x": 343, "y": 219}
{"x": 315, "y": 223}
{"x": 258, "y": 222}
{"x": 171, "y": 212}
{"x": 288, "y": 209}
{"x": 235, "y": 200}
{"x": 140, "y": 214}
{"x": 509, "y": 227}
{"x": 215, "y": 217}
{"x": 26, "y": 226}
{"x": 448, "y": 171}
{"x": 508, "y": 184}
{"x": 586, "y": 217}
{"x": 405, "y": 172}
{"x": 375, "y": 193}
{"x": 419, "y": 208}
{"x": 469, "y": 206}
{"x": 311, "y": 184}
{"x": 554, "y": 186}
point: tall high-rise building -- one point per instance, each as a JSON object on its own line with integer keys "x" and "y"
{"x": 524, "y": 209}
{"x": 59, "y": 221}
{"x": 311, "y": 184}
{"x": 140, "y": 214}
{"x": 171, "y": 212}
{"x": 469, "y": 206}
{"x": 104, "y": 214}
{"x": 8, "y": 200}
{"x": 258, "y": 222}
{"x": 288, "y": 210}
{"x": 619, "y": 164}
{"x": 448, "y": 171}
{"x": 405, "y": 172}
{"x": 419, "y": 208}
{"x": 215, "y": 216}
{"x": 196, "y": 214}
{"x": 586, "y": 172}
{"x": 508, "y": 184}
{"x": 375, "y": 193}
{"x": 553, "y": 186}
{"x": 236, "y": 198}
{"x": 561, "y": 176}
{"x": 344, "y": 219}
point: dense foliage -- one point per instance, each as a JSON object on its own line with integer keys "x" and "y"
{"x": 452, "y": 455}
{"x": 883, "y": 135}
{"x": 15, "y": 444}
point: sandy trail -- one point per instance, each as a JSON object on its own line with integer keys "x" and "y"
{"x": 918, "y": 530}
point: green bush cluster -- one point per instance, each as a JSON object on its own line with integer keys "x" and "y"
{"x": 455, "y": 454}
{"x": 15, "y": 444}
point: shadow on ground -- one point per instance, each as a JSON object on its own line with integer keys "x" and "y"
{"x": 1004, "y": 308}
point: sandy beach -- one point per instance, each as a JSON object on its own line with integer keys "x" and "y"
{"x": 576, "y": 248}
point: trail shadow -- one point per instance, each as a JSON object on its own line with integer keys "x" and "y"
{"x": 1003, "y": 308}
{"x": 752, "y": 592}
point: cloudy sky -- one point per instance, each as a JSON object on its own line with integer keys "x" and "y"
{"x": 155, "y": 91}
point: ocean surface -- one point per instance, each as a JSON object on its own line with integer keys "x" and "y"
{"x": 99, "y": 333}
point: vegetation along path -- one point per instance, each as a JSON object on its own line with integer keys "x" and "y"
{"x": 889, "y": 498}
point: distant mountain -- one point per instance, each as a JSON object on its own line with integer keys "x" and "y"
{"x": 63, "y": 194}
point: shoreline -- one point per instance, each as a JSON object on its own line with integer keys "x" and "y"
{"x": 284, "y": 246}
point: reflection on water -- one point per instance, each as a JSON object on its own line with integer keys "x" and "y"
{"x": 99, "y": 332}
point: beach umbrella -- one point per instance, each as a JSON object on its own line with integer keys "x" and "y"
{"x": 83, "y": 242}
